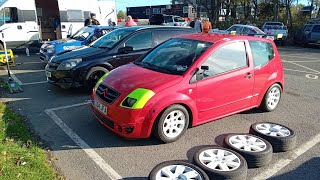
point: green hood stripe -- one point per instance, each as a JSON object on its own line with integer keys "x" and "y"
{"x": 141, "y": 95}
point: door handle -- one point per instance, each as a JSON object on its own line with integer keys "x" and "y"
{"x": 248, "y": 76}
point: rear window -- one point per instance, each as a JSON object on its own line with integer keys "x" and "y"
{"x": 262, "y": 53}
{"x": 275, "y": 25}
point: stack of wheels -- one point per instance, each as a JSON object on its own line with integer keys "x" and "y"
{"x": 221, "y": 163}
{"x": 177, "y": 170}
{"x": 279, "y": 136}
{"x": 256, "y": 151}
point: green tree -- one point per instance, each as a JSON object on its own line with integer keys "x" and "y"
{"x": 121, "y": 14}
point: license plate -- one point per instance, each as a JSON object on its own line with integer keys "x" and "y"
{"x": 100, "y": 107}
{"x": 48, "y": 74}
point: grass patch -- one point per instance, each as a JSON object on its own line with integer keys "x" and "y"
{"x": 21, "y": 157}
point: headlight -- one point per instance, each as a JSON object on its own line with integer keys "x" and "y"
{"x": 50, "y": 49}
{"x": 69, "y": 64}
{"x": 137, "y": 98}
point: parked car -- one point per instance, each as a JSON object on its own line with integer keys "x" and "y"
{"x": 188, "y": 81}
{"x": 239, "y": 29}
{"x": 277, "y": 29}
{"x": 84, "y": 36}
{"x": 309, "y": 34}
{"x": 85, "y": 66}
{"x": 167, "y": 20}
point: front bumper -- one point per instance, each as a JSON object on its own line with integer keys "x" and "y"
{"x": 63, "y": 79}
{"x": 124, "y": 122}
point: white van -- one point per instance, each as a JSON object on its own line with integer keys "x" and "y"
{"x": 28, "y": 21}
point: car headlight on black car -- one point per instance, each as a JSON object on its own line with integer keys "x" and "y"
{"x": 69, "y": 64}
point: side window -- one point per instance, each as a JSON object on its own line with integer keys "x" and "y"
{"x": 163, "y": 35}
{"x": 262, "y": 53}
{"x": 316, "y": 28}
{"x": 247, "y": 30}
{"x": 235, "y": 28}
{"x": 140, "y": 41}
{"x": 227, "y": 58}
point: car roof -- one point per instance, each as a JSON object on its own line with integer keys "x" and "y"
{"x": 104, "y": 27}
{"x": 138, "y": 28}
{"x": 213, "y": 38}
{"x": 243, "y": 25}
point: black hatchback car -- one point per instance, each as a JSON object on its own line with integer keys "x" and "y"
{"x": 85, "y": 66}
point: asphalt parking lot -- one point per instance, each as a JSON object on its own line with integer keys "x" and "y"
{"x": 83, "y": 149}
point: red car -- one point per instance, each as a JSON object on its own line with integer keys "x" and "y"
{"x": 187, "y": 81}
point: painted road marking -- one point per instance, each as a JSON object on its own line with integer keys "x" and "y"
{"x": 110, "y": 172}
{"x": 32, "y": 83}
{"x": 315, "y": 71}
{"x": 312, "y": 76}
{"x": 284, "y": 162}
{"x": 297, "y": 56}
{"x": 299, "y": 71}
{"x": 14, "y": 77}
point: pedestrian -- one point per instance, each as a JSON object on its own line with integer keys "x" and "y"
{"x": 198, "y": 25}
{"x": 130, "y": 22}
{"x": 91, "y": 20}
{"x": 207, "y": 26}
{"x": 192, "y": 23}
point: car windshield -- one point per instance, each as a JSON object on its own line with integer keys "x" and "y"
{"x": 275, "y": 26}
{"x": 174, "y": 56}
{"x": 112, "y": 38}
{"x": 83, "y": 33}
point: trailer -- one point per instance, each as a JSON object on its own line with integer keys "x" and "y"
{"x": 27, "y": 22}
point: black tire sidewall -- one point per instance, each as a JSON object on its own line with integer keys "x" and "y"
{"x": 156, "y": 169}
{"x": 160, "y": 120}
{"x": 237, "y": 174}
{"x": 254, "y": 159}
{"x": 279, "y": 144}
{"x": 90, "y": 72}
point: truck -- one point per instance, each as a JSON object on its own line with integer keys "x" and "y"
{"x": 27, "y": 22}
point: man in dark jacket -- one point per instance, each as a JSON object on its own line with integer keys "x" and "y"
{"x": 91, "y": 20}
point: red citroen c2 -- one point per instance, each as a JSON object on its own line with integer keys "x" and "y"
{"x": 187, "y": 81}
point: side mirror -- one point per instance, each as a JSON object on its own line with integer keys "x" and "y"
{"x": 205, "y": 68}
{"x": 125, "y": 50}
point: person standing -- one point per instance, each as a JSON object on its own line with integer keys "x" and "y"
{"x": 207, "y": 26}
{"x": 192, "y": 23}
{"x": 198, "y": 25}
{"x": 91, "y": 20}
{"x": 130, "y": 22}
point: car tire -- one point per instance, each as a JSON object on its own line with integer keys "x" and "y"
{"x": 281, "y": 138}
{"x": 215, "y": 171}
{"x": 1, "y": 46}
{"x": 168, "y": 121}
{"x": 256, "y": 155}
{"x": 271, "y": 98}
{"x": 156, "y": 174}
{"x": 93, "y": 76}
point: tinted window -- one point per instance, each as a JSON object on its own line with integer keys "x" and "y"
{"x": 174, "y": 56}
{"x": 316, "y": 28}
{"x": 247, "y": 30}
{"x": 168, "y": 19}
{"x": 83, "y": 33}
{"x": 142, "y": 40}
{"x": 112, "y": 38}
{"x": 262, "y": 52}
{"x": 227, "y": 58}
{"x": 163, "y": 35}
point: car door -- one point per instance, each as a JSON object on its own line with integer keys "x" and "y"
{"x": 227, "y": 85}
{"x": 140, "y": 42}
{"x": 315, "y": 33}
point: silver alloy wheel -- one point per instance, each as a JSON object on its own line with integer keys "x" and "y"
{"x": 273, "y": 98}
{"x": 174, "y": 124}
{"x": 247, "y": 143}
{"x": 271, "y": 129}
{"x": 178, "y": 172}
{"x": 219, "y": 160}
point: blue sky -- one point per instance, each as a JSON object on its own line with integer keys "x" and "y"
{"x": 122, "y": 4}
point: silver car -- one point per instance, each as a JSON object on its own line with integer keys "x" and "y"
{"x": 309, "y": 34}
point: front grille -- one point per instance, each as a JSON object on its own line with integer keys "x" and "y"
{"x": 106, "y": 121}
{"x": 107, "y": 94}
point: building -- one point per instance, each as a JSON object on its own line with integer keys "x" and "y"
{"x": 143, "y": 12}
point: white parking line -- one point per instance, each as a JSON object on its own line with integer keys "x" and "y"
{"x": 299, "y": 71}
{"x": 14, "y": 77}
{"x": 32, "y": 83}
{"x": 297, "y": 56}
{"x": 284, "y": 162}
{"x": 317, "y": 72}
{"x": 110, "y": 172}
